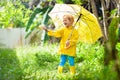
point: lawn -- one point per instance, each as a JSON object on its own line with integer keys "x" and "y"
{"x": 41, "y": 62}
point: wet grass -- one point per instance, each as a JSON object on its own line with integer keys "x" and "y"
{"x": 41, "y": 62}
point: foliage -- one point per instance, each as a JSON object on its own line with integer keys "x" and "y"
{"x": 9, "y": 65}
{"x": 79, "y": 1}
{"x": 44, "y": 21}
{"x": 113, "y": 28}
{"x": 112, "y": 46}
{"x": 34, "y": 19}
{"x": 90, "y": 61}
{"x": 41, "y": 62}
{"x": 37, "y": 10}
{"x": 13, "y": 15}
{"x": 59, "y": 1}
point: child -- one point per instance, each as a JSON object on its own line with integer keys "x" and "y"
{"x": 69, "y": 37}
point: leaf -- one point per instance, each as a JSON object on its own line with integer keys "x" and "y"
{"x": 46, "y": 17}
{"x": 112, "y": 30}
{"x": 113, "y": 11}
{"x": 44, "y": 21}
{"x": 36, "y": 11}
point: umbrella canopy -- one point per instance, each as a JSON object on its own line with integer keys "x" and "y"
{"x": 85, "y": 22}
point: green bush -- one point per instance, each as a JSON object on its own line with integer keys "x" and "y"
{"x": 9, "y": 65}
{"x": 45, "y": 58}
{"x": 13, "y": 14}
{"x": 41, "y": 62}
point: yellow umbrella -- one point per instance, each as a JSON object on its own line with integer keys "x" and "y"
{"x": 85, "y": 22}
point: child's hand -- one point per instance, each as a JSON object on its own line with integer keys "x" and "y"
{"x": 43, "y": 27}
{"x": 67, "y": 45}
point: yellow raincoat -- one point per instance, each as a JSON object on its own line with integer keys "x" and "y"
{"x": 64, "y": 33}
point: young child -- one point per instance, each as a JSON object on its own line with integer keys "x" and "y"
{"x": 69, "y": 37}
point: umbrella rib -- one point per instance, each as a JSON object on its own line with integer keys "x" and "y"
{"x": 87, "y": 24}
{"x": 89, "y": 29}
{"x": 80, "y": 14}
{"x": 87, "y": 18}
{"x": 74, "y": 9}
{"x": 83, "y": 19}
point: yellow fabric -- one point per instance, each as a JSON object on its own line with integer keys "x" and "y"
{"x": 72, "y": 69}
{"x": 64, "y": 33}
{"x": 88, "y": 27}
{"x": 60, "y": 69}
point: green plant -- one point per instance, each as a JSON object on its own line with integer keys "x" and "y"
{"x": 35, "y": 21}
{"x": 41, "y": 62}
{"x": 13, "y": 15}
{"x": 45, "y": 58}
{"x": 9, "y": 65}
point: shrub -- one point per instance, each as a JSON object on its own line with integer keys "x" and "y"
{"x": 13, "y": 14}
{"x": 9, "y": 65}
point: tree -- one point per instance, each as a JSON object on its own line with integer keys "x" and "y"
{"x": 111, "y": 22}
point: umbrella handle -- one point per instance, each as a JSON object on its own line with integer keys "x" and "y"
{"x": 78, "y": 18}
{"x": 74, "y": 26}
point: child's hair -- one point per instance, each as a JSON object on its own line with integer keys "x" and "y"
{"x": 69, "y": 17}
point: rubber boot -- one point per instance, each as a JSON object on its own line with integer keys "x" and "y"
{"x": 60, "y": 69}
{"x": 72, "y": 70}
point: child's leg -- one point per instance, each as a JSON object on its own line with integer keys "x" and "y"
{"x": 72, "y": 65}
{"x": 63, "y": 59}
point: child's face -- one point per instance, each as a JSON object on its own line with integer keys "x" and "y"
{"x": 67, "y": 22}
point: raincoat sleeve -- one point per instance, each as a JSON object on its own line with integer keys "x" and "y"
{"x": 56, "y": 33}
{"x": 74, "y": 39}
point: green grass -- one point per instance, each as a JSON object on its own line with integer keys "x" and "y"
{"x": 41, "y": 62}
{"x": 9, "y": 65}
